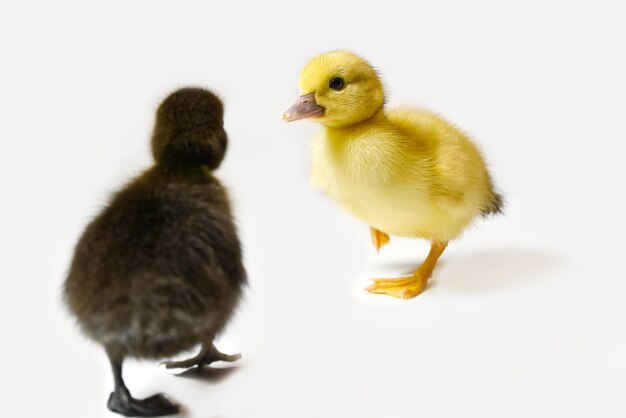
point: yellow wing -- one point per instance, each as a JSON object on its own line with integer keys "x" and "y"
{"x": 406, "y": 172}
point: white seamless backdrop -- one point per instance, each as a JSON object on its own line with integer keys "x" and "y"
{"x": 525, "y": 315}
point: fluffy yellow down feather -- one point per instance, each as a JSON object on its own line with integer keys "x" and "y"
{"x": 405, "y": 172}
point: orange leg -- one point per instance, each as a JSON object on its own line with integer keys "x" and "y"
{"x": 379, "y": 239}
{"x": 411, "y": 286}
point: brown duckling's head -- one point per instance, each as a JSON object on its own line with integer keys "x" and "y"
{"x": 189, "y": 129}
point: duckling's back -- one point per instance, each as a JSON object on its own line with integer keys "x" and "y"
{"x": 458, "y": 166}
{"x": 459, "y": 184}
{"x": 159, "y": 269}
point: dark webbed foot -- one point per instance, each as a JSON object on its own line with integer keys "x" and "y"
{"x": 154, "y": 406}
{"x": 204, "y": 358}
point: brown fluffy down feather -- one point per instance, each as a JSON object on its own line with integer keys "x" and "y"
{"x": 159, "y": 270}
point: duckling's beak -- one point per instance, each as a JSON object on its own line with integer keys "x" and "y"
{"x": 305, "y": 107}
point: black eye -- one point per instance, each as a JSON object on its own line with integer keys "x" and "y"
{"x": 336, "y": 83}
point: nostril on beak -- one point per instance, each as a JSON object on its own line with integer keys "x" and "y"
{"x": 305, "y": 102}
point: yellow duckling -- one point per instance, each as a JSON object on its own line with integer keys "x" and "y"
{"x": 405, "y": 172}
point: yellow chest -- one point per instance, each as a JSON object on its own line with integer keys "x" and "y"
{"x": 373, "y": 180}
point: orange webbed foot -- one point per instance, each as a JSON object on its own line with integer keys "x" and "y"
{"x": 411, "y": 286}
{"x": 401, "y": 288}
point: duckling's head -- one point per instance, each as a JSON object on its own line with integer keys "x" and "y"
{"x": 189, "y": 129}
{"x": 337, "y": 89}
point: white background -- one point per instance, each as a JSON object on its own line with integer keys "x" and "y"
{"x": 526, "y": 314}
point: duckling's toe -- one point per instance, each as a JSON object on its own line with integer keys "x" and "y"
{"x": 154, "y": 406}
{"x": 379, "y": 238}
{"x": 197, "y": 361}
{"x": 226, "y": 357}
{"x": 206, "y": 356}
{"x": 401, "y": 288}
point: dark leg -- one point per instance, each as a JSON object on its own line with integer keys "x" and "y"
{"x": 207, "y": 355}
{"x": 123, "y": 403}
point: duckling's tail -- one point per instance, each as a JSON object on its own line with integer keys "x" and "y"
{"x": 495, "y": 205}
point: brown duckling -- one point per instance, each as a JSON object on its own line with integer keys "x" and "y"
{"x": 159, "y": 270}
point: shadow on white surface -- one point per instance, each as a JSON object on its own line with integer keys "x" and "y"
{"x": 183, "y": 412}
{"x": 208, "y": 374}
{"x": 494, "y": 270}
{"x": 483, "y": 271}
